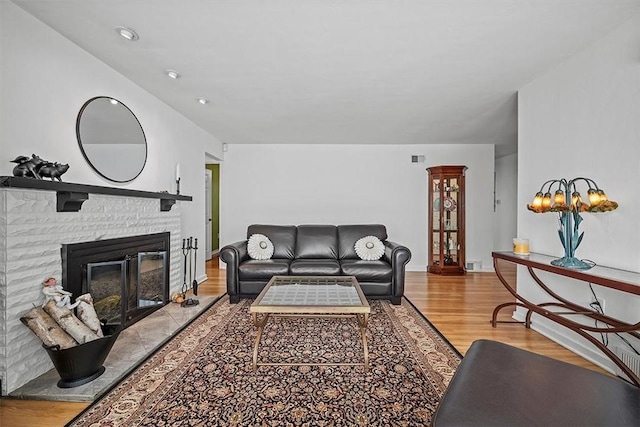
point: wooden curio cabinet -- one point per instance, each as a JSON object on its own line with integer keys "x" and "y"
{"x": 446, "y": 220}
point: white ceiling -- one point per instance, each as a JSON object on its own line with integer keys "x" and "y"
{"x": 339, "y": 71}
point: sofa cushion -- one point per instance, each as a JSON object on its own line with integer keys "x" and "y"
{"x": 367, "y": 271}
{"x": 315, "y": 267}
{"x": 263, "y": 269}
{"x": 317, "y": 242}
{"x": 349, "y": 234}
{"x": 283, "y": 238}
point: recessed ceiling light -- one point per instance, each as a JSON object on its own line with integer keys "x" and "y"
{"x": 203, "y": 101}
{"x": 127, "y": 33}
{"x": 173, "y": 74}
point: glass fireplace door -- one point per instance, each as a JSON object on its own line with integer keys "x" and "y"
{"x": 105, "y": 283}
{"x": 151, "y": 278}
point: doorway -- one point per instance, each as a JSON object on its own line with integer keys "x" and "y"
{"x": 212, "y": 209}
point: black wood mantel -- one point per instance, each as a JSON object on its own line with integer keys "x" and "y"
{"x": 70, "y": 196}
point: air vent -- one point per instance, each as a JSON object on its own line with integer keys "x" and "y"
{"x": 417, "y": 159}
{"x": 474, "y": 266}
{"x": 629, "y": 358}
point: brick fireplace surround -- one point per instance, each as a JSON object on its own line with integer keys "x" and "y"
{"x": 32, "y": 230}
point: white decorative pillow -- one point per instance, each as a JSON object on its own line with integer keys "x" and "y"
{"x": 369, "y": 248}
{"x": 259, "y": 247}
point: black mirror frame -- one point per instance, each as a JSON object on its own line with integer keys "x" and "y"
{"x": 86, "y": 157}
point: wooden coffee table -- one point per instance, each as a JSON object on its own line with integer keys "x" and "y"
{"x": 311, "y": 296}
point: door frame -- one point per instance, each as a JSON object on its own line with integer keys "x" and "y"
{"x": 208, "y": 214}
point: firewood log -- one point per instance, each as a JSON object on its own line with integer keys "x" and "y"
{"x": 70, "y": 323}
{"x": 87, "y": 313}
{"x": 47, "y": 329}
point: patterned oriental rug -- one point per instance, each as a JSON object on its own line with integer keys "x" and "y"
{"x": 204, "y": 377}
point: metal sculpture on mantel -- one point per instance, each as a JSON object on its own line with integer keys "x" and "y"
{"x": 38, "y": 168}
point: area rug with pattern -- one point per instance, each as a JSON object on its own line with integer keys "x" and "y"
{"x": 204, "y": 375}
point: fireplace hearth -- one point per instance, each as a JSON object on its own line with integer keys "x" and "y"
{"x": 127, "y": 277}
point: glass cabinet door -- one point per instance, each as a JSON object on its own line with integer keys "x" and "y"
{"x": 435, "y": 222}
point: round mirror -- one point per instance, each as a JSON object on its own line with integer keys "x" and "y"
{"x": 111, "y": 139}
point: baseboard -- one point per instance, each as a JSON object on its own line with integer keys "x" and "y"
{"x": 424, "y": 269}
{"x": 571, "y": 341}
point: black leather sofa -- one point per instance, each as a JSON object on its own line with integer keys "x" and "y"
{"x": 500, "y": 385}
{"x": 316, "y": 250}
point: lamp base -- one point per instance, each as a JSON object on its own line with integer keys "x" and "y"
{"x": 571, "y": 262}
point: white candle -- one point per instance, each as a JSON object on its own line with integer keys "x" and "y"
{"x": 178, "y": 172}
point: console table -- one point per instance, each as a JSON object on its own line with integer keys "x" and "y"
{"x": 620, "y": 280}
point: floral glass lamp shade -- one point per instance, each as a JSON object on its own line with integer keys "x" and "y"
{"x": 569, "y": 213}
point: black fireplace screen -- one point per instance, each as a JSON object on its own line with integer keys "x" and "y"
{"x": 121, "y": 288}
{"x": 128, "y": 278}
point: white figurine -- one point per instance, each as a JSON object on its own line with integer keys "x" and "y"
{"x": 53, "y": 291}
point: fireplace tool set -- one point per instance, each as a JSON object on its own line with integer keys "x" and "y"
{"x": 189, "y": 245}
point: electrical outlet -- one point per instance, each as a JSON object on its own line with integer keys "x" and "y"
{"x": 595, "y": 302}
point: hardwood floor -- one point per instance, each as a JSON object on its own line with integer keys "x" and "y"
{"x": 459, "y": 306}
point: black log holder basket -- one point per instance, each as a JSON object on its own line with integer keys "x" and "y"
{"x": 83, "y": 363}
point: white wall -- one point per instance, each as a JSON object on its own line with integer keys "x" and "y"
{"x": 351, "y": 184}
{"x": 583, "y": 119}
{"x": 505, "y": 224}
{"x": 45, "y": 81}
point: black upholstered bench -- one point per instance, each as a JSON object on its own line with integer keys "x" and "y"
{"x": 500, "y": 385}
